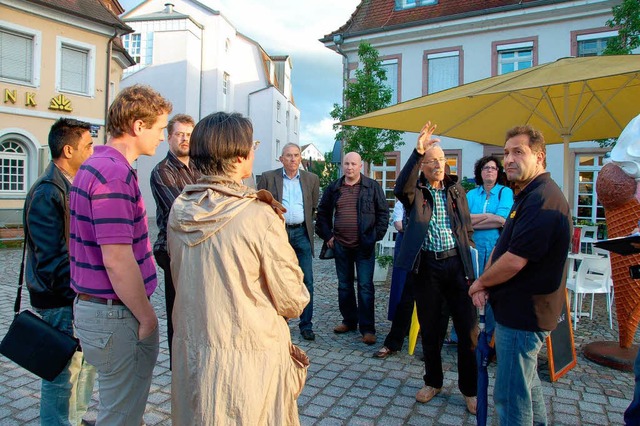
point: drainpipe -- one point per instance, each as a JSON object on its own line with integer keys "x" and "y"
{"x": 338, "y": 40}
{"x": 108, "y": 82}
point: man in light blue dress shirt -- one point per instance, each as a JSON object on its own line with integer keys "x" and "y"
{"x": 298, "y": 191}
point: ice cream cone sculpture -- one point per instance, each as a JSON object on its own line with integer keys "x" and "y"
{"x": 617, "y": 192}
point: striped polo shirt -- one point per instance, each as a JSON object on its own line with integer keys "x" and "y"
{"x": 107, "y": 208}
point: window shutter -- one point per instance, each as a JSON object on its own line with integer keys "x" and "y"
{"x": 74, "y": 68}
{"x": 16, "y": 56}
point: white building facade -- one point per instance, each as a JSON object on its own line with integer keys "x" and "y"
{"x": 432, "y": 45}
{"x": 196, "y": 58}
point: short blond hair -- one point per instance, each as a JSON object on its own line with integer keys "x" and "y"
{"x": 133, "y": 103}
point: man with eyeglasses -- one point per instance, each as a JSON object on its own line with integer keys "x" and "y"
{"x": 298, "y": 191}
{"x": 168, "y": 179}
{"x": 436, "y": 247}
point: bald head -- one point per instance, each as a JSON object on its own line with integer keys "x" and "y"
{"x": 351, "y": 167}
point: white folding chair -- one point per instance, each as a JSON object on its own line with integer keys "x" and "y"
{"x": 588, "y": 236}
{"x": 387, "y": 243}
{"x": 607, "y": 255}
{"x": 593, "y": 277}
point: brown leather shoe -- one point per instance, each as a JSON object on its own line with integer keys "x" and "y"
{"x": 342, "y": 328}
{"x": 369, "y": 338}
{"x": 427, "y": 393}
{"x": 383, "y": 353}
{"x": 472, "y": 404}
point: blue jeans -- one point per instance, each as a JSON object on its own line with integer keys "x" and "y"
{"x": 299, "y": 240}
{"x": 632, "y": 414}
{"x": 517, "y": 393}
{"x": 361, "y": 313}
{"x": 65, "y": 400}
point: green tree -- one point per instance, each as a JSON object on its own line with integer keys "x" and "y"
{"x": 366, "y": 94}
{"x": 626, "y": 18}
{"x": 329, "y": 171}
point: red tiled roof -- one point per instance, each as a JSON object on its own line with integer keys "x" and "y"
{"x": 380, "y": 15}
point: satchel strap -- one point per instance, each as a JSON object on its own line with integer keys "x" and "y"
{"x": 16, "y": 305}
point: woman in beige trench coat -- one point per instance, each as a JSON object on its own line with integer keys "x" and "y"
{"x": 236, "y": 277}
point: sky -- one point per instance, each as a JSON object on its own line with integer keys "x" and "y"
{"x": 293, "y": 27}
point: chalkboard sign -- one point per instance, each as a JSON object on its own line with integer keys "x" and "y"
{"x": 560, "y": 346}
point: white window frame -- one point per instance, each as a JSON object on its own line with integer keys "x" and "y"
{"x": 278, "y": 108}
{"x": 127, "y": 40}
{"x": 594, "y": 36}
{"x": 36, "y": 50}
{"x": 9, "y": 156}
{"x": 410, "y": 4}
{"x": 594, "y": 197}
{"x": 393, "y": 85}
{"x": 514, "y": 48}
{"x": 226, "y": 83}
{"x": 91, "y": 65}
{"x": 449, "y": 54}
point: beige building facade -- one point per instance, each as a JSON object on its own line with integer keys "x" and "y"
{"x": 57, "y": 59}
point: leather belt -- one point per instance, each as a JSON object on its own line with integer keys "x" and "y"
{"x": 100, "y": 300}
{"x": 294, "y": 226}
{"x": 439, "y": 255}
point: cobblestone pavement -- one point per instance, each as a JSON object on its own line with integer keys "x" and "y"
{"x": 345, "y": 385}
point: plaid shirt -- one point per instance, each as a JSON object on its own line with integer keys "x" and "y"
{"x": 439, "y": 234}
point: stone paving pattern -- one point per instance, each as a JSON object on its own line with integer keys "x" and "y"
{"x": 345, "y": 385}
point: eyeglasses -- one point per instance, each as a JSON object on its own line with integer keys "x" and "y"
{"x": 181, "y": 135}
{"x": 434, "y": 161}
{"x": 490, "y": 169}
{"x": 255, "y": 145}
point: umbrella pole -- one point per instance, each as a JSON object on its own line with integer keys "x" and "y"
{"x": 566, "y": 178}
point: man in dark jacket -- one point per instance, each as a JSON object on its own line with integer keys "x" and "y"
{"x": 436, "y": 246}
{"x": 352, "y": 215}
{"x": 46, "y": 222}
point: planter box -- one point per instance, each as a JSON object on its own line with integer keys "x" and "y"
{"x": 380, "y": 274}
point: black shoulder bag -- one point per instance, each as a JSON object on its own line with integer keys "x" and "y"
{"x": 33, "y": 343}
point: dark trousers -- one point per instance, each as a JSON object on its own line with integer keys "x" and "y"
{"x": 164, "y": 262}
{"x": 362, "y": 313}
{"x": 402, "y": 316}
{"x": 299, "y": 240}
{"x": 441, "y": 282}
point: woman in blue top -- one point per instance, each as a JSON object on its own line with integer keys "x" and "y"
{"x": 489, "y": 205}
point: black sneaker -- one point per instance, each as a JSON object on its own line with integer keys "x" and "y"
{"x": 308, "y": 334}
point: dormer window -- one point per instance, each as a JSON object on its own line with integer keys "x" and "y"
{"x": 410, "y": 4}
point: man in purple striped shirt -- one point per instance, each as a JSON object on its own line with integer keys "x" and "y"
{"x": 112, "y": 268}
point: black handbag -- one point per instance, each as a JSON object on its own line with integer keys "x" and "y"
{"x": 33, "y": 343}
{"x": 326, "y": 252}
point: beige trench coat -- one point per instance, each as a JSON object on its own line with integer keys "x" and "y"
{"x": 236, "y": 277}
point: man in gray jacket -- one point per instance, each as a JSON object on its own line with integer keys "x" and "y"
{"x": 298, "y": 191}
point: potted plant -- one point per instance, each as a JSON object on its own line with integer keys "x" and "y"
{"x": 381, "y": 270}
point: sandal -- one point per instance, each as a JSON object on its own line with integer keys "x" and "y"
{"x": 383, "y": 353}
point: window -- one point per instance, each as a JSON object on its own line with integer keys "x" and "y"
{"x": 225, "y": 92}
{"x": 386, "y": 173}
{"x": 13, "y": 173}
{"x": 131, "y": 42}
{"x": 76, "y": 67}
{"x": 443, "y": 71}
{"x": 586, "y": 205}
{"x": 454, "y": 161}
{"x": 278, "y": 150}
{"x": 278, "y": 108}
{"x": 514, "y": 57}
{"x": 295, "y": 124}
{"x": 287, "y": 120}
{"x": 391, "y": 66}
{"x": 593, "y": 44}
{"x": 19, "y": 54}
{"x": 408, "y": 4}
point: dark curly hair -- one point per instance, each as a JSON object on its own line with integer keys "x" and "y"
{"x": 477, "y": 170}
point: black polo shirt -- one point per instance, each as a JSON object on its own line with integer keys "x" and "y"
{"x": 538, "y": 229}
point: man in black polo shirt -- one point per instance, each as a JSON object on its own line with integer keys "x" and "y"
{"x": 524, "y": 281}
